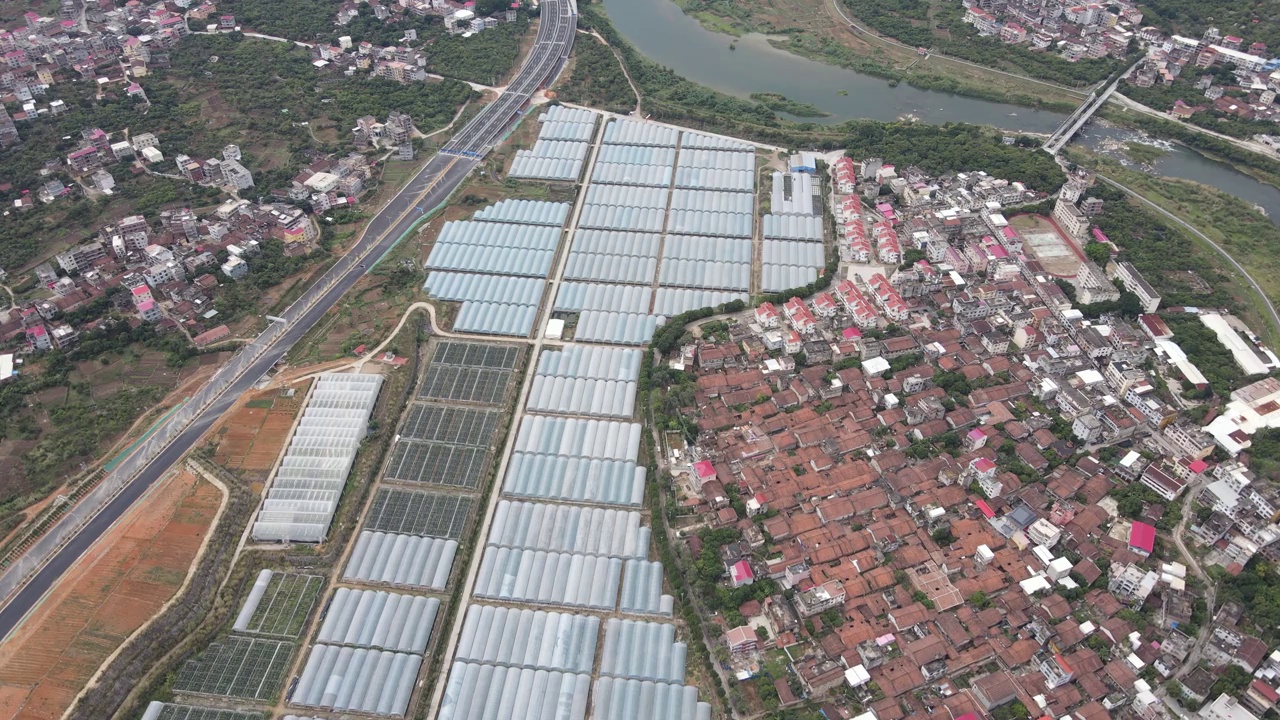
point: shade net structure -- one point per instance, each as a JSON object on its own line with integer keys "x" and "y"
{"x": 318, "y": 459}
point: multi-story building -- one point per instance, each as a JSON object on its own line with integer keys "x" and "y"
{"x": 1134, "y": 283}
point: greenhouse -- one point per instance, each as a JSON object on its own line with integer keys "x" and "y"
{"x": 696, "y": 247}
{"x": 574, "y": 437}
{"x": 777, "y": 278}
{"x": 622, "y": 174}
{"x": 549, "y": 578}
{"x": 379, "y": 619}
{"x": 628, "y": 195}
{"x": 636, "y": 155}
{"x": 715, "y": 179}
{"x": 610, "y": 268}
{"x": 552, "y": 477}
{"x": 642, "y": 590}
{"x": 692, "y": 139}
{"x": 793, "y": 227}
{"x": 620, "y": 217}
{"x": 529, "y": 167}
{"x": 616, "y": 328}
{"x": 569, "y": 528}
{"x": 674, "y": 301}
{"x": 488, "y": 692}
{"x": 710, "y": 222}
{"x": 713, "y": 200}
{"x": 378, "y": 682}
{"x": 538, "y": 640}
{"x": 630, "y": 132}
{"x": 319, "y": 458}
{"x": 789, "y": 252}
{"x": 643, "y": 651}
{"x": 794, "y": 194}
{"x": 494, "y": 318}
{"x": 706, "y": 274}
{"x": 525, "y": 212}
{"x": 717, "y": 160}
{"x": 389, "y": 559}
{"x": 461, "y": 287}
{"x": 579, "y": 296}
{"x": 614, "y": 242}
{"x": 618, "y": 699}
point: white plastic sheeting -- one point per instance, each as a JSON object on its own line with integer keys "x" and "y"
{"x": 538, "y": 640}
{"x": 692, "y": 139}
{"x": 525, "y": 212}
{"x": 715, "y": 179}
{"x": 706, "y": 274}
{"x": 673, "y": 301}
{"x": 251, "y": 603}
{"x": 358, "y": 680}
{"x": 793, "y": 194}
{"x": 488, "y": 318}
{"x": 557, "y": 149}
{"x": 576, "y": 361}
{"x": 776, "y": 278}
{"x": 575, "y": 437}
{"x": 792, "y": 252}
{"x": 616, "y": 328}
{"x": 491, "y": 260}
{"x": 618, "y": 217}
{"x": 613, "y": 242}
{"x": 713, "y": 200}
{"x": 642, "y": 590}
{"x": 632, "y": 132}
{"x": 580, "y": 380}
{"x": 717, "y": 159}
{"x": 496, "y": 234}
{"x": 484, "y": 288}
{"x": 628, "y": 195}
{"x": 488, "y": 692}
{"x": 793, "y": 227}
{"x": 579, "y": 296}
{"x": 319, "y": 457}
{"x": 575, "y": 480}
{"x": 379, "y": 619}
{"x": 408, "y": 560}
{"x": 709, "y": 222}
{"x": 559, "y": 130}
{"x": 610, "y": 268}
{"x": 696, "y": 247}
{"x": 618, "y": 699}
{"x": 643, "y": 651}
{"x": 621, "y": 174}
{"x": 636, "y": 155}
{"x": 569, "y": 528}
{"x": 535, "y": 168}
{"x": 549, "y": 578}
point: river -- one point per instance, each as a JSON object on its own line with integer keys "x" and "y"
{"x": 660, "y": 30}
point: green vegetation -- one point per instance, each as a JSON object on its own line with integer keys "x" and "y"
{"x": 1264, "y": 452}
{"x": 916, "y": 22}
{"x": 1098, "y": 252}
{"x": 1258, "y": 165}
{"x": 1163, "y": 97}
{"x": 781, "y": 103}
{"x": 1204, "y": 350}
{"x": 306, "y": 20}
{"x": 1251, "y": 20}
{"x": 1257, "y": 591}
{"x": 1142, "y": 153}
{"x": 597, "y": 78}
{"x": 484, "y": 58}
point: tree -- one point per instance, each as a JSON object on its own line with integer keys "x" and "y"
{"x": 1098, "y": 252}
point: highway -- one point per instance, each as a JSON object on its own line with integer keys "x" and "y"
{"x": 27, "y": 581}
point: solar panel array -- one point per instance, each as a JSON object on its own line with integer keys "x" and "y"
{"x": 564, "y": 140}
{"x": 304, "y": 492}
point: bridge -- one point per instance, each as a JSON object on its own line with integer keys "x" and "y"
{"x": 1083, "y": 114}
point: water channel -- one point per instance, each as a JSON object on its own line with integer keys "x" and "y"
{"x": 660, "y": 30}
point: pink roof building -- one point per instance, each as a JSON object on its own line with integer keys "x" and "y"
{"x": 741, "y": 574}
{"x": 705, "y": 471}
{"x": 1142, "y": 538}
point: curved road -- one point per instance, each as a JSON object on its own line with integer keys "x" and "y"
{"x": 425, "y": 191}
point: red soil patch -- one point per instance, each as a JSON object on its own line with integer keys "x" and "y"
{"x": 120, "y": 584}
{"x": 254, "y": 436}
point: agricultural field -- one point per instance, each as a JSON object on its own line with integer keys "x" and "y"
{"x": 239, "y": 667}
{"x": 190, "y": 712}
{"x": 437, "y": 464}
{"x": 121, "y": 584}
{"x": 419, "y": 513}
{"x": 252, "y": 439}
{"x": 469, "y": 372}
{"x": 285, "y": 607}
{"x": 449, "y": 425}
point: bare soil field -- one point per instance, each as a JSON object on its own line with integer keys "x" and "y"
{"x": 251, "y": 439}
{"x": 1060, "y": 255}
{"x": 121, "y": 583}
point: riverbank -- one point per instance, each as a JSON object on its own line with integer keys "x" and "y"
{"x": 819, "y": 30}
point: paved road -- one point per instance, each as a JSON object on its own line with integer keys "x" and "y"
{"x": 64, "y": 545}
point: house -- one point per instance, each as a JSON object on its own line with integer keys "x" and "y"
{"x": 1142, "y": 538}
{"x": 740, "y": 574}
{"x": 742, "y": 640}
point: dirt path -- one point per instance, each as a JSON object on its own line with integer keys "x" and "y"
{"x": 627, "y": 73}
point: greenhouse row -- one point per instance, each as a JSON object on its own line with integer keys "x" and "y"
{"x": 460, "y": 287}
{"x": 695, "y": 247}
{"x": 538, "y": 640}
{"x": 610, "y": 268}
{"x": 529, "y": 167}
{"x": 618, "y": 217}
{"x": 379, "y": 619}
{"x": 710, "y": 222}
{"x": 713, "y": 200}
{"x": 613, "y": 242}
{"x": 579, "y": 361}
{"x": 642, "y": 590}
{"x": 157, "y": 710}
{"x": 551, "y": 477}
{"x": 706, "y": 274}
{"x": 546, "y": 578}
{"x": 794, "y": 194}
{"x": 717, "y": 160}
{"x": 576, "y": 437}
{"x": 564, "y": 113}
{"x": 492, "y": 260}
{"x": 490, "y": 318}
{"x": 787, "y": 252}
{"x": 561, "y": 130}
{"x": 525, "y": 212}
{"x": 557, "y": 150}
{"x": 583, "y": 396}
{"x": 620, "y": 174}
{"x": 643, "y": 651}
{"x": 411, "y": 561}
{"x": 712, "y": 179}
{"x": 579, "y": 296}
{"x": 616, "y": 328}
{"x": 251, "y": 602}
{"x": 496, "y": 234}
{"x": 627, "y": 195}
{"x": 631, "y": 132}
{"x": 792, "y": 227}
{"x": 358, "y": 680}
{"x": 489, "y": 692}
{"x": 692, "y": 139}
{"x": 318, "y": 460}
{"x": 776, "y": 278}
{"x": 569, "y": 528}
{"x": 618, "y": 699}
{"x": 674, "y": 301}
{"x": 636, "y": 155}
